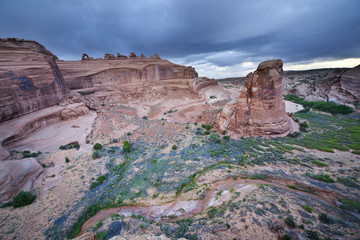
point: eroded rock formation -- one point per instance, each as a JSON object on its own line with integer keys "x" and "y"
{"x": 115, "y": 74}
{"x": 260, "y": 109}
{"x": 17, "y": 175}
{"x": 29, "y": 77}
{"x": 347, "y": 89}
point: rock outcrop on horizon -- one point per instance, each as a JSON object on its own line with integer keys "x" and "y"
{"x": 17, "y": 175}
{"x": 260, "y": 109}
{"x": 29, "y": 77}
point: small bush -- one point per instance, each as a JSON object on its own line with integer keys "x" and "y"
{"x": 207, "y": 132}
{"x": 96, "y": 155}
{"x": 324, "y": 178}
{"x": 289, "y": 222}
{"x": 97, "y": 146}
{"x": 67, "y": 160}
{"x": 312, "y": 235}
{"x": 307, "y": 208}
{"x": 207, "y": 127}
{"x": 356, "y": 152}
{"x": 319, "y": 163}
{"x": 126, "y": 146}
{"x": 98, "y": 181}
{"x": 23, "y": 198}
{"x": 174, "y": 147}
{"x": 294, "y": 135}
{"x": 145, "y": 117}
{"x": 223, "y": 132}
{"x": 324, "y": 218}
{"x": 287, "y": 237}
{"x": 304, "y": 125}
{"x": 227, "y": 138}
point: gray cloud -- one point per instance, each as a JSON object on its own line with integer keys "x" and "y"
{"x": 224, "y": 33}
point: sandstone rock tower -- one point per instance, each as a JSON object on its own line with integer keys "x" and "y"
{"x": 260, "y": 109}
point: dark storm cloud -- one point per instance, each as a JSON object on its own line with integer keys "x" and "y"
{"x": 294, "y": 30}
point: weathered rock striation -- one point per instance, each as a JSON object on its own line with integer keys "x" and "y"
{"x": 17, "y": 175}
{"x": 115, "y": 74}
{"x": 29, "y": 78}
{"x": 260, "y": 109}
{"x": 346, "y": 90}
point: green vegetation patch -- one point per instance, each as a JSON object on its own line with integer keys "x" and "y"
{"x": 23, "y": 198}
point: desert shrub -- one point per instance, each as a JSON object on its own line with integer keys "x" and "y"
{"x": 347, "y": 182}
{"x": 96, "y": 155}
{"x": 227, "y": 138}
{"x": 126, "y": 146}
{"x": 356, "y": 152}
{"x": 97, "y": 146}
{"x": 207, "y": 127}
{"x": 211, "y": 212}
{"x": 207, "y": 132}
{"x": 324, "y": 178}
{"x": 324, "y": 218}
{"x": 212, "y": 97}
{"x": 145, "y": 117}
{"x": 174, "y": 147}
{"x": 101, "y": 235}
{"x": 350, "y": 205}
{"x": 312, "y": 235}
{"x": 307, "y": 208}
{"x": 290, "y": 222}
{"x": 319, "y": 163}
{"x": 67, "y": 160}
{"x": 23, "y": 198}
{"x": 287, "y": 237}
{"x": 98, "y": 181}
{"x": 294, "y": 135}
{"x": 223, "y": 132}
{"x": 304, "y": 125}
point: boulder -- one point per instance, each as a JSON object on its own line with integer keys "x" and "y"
{"x": 260, "y": 109}
{"x": 16, "y": 175}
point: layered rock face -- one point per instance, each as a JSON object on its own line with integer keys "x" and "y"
{"x": 17, "y": 175}
{"x": 114, "y": 74}
{"x": 260, "y": 109}
{"x": 29, "y": 77}
{"x": 347, "y": 90}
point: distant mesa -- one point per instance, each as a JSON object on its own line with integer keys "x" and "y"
{"x": 260, "y": 109}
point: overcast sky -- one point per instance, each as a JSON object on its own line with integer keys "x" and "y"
{"x": 220, "y": 38}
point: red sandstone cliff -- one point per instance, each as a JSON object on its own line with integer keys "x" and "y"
{"x": 29, "y": 78}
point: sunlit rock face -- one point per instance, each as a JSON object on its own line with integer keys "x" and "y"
{"x": 29, "y": 77}
{"x": 260, "y": 109}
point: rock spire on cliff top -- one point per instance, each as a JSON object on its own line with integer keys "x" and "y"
{"x": 260, "y": 109}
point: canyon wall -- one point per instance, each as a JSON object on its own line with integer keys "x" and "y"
{"x": 120, "y": 72}
{"x": 29, "y": 78}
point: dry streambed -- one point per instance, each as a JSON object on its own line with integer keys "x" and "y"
{"x": 180, "y": 209}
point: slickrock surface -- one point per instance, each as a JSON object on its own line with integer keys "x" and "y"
{"x": 29, "y": 78}
{"x": 121, "y": 72}
{"x": 17, "y": 175}
{"x": 19, "y": 128}
{"x": 260, "y": 109}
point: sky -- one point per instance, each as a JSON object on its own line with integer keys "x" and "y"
{"x": 220, "y": 38}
